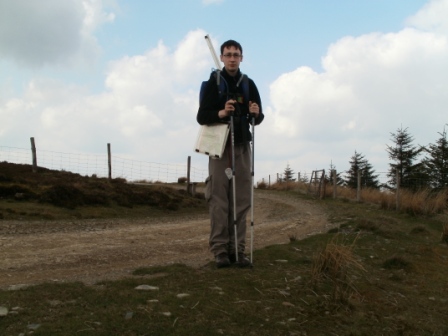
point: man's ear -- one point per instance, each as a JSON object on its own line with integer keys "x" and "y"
{"x": 221, "y": 58}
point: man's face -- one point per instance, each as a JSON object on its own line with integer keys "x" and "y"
{"x": 231, "y": 58}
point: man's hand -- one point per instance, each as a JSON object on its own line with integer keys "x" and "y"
{"x": 254, "y": 109}
{"x": 229, "y": 108}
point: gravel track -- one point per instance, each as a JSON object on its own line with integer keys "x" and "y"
{"x": 89, "y": 251}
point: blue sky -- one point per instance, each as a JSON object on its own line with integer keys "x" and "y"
{"x": 335, "y": 76}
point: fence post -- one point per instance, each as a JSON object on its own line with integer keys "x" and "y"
{"x": 358, "y": 191}
{"x": 322, "y": 185}
{"x": 269, "y": 185}
{"x": 335, "y": 180}
{"x": 109, "y": 161}
{"x": 311, "y": 181}
{"x": 188, "y": 174}
{"x": 34, "y": 155}
{"x": 397, "y": 193}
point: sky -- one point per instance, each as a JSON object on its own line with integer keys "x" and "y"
{"x": 335, "y": 77}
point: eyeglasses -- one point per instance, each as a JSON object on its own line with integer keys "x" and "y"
{"x": 232, "y": 55}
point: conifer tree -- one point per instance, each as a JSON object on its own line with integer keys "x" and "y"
{"x": 404, "y": 154}
{"x": 303, "y": 178}
{"x": 339, "y": 179}
{"x": 368, "y": 177}
{"x": 288, "y": 174}
{"x": 436, "y": 164}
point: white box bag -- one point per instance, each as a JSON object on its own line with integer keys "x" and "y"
{"x": 212, "y": 140}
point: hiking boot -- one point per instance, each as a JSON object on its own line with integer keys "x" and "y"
{"x": 232, "y": 258}
{"x": 243, "y": 261}
{"x": 222, "y": 260}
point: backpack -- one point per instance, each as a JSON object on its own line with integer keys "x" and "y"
{"x": 223, "y": 87}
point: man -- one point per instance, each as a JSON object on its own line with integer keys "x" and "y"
{"x": 217, "y": 108}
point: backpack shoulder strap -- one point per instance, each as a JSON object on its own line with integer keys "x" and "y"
{"x": 220, "y": 82}
{"x": 243, "y": 82}
{"x": 245, "y": 87}
{"x": 223, "y": 88}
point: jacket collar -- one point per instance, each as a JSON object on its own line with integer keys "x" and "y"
{"x": 227, "y": 76}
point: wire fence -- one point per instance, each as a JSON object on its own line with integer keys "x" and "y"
{"x": 305, "y": 176}
{"x": 385, "y": 181}
{"x": 137, "y": 170}
{"x": 97, "y": 164}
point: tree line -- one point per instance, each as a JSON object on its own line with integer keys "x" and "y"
{"x": 412, "y": 166}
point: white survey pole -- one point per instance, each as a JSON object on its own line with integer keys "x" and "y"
{"x": 212, "y": 50}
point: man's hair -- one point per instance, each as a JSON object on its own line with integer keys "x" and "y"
{"x": 231, "y": 43}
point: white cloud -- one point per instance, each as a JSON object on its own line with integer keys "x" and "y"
{"x": 148, "y": 108}
{"x": 370, "y": 86}
{"x": 432, "y": 17}
{"x": 49, "y": 32}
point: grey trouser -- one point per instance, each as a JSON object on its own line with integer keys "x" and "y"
{"x": 219, "y": 195}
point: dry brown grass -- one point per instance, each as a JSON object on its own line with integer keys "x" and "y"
{"x": 335, "y": 265}
{"x": 341, "y": 192}
{"x": 439, "y": 202}
{"x": 262, "y": 185}
{"x": 387, "y": 200}
{"x": 413, "y": 202}
{"x": 290, "y": 185}
{"x": 372, "y": 195}
{"x": 423, "y": 202}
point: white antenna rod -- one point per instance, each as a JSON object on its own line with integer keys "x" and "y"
{"x": 212, "y": 50}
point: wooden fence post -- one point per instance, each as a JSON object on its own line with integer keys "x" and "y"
{"x": 358, "y": 191}
{"x": 311, "y": 181}
{"x": 188, "y": 174}
{"x": 335, "y": 182}
{"x": 34, "y": 155}
{"x": 323, "y": 185}
{"x": 397, "y": 193}
{"x": 109, "y": 161}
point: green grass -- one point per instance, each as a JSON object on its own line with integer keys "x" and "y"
{"x": 400, "y": 288}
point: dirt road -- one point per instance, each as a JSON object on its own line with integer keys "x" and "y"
{"x": 94, "y": 250}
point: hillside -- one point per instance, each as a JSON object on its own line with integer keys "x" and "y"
{"x": 51, "y": 194}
